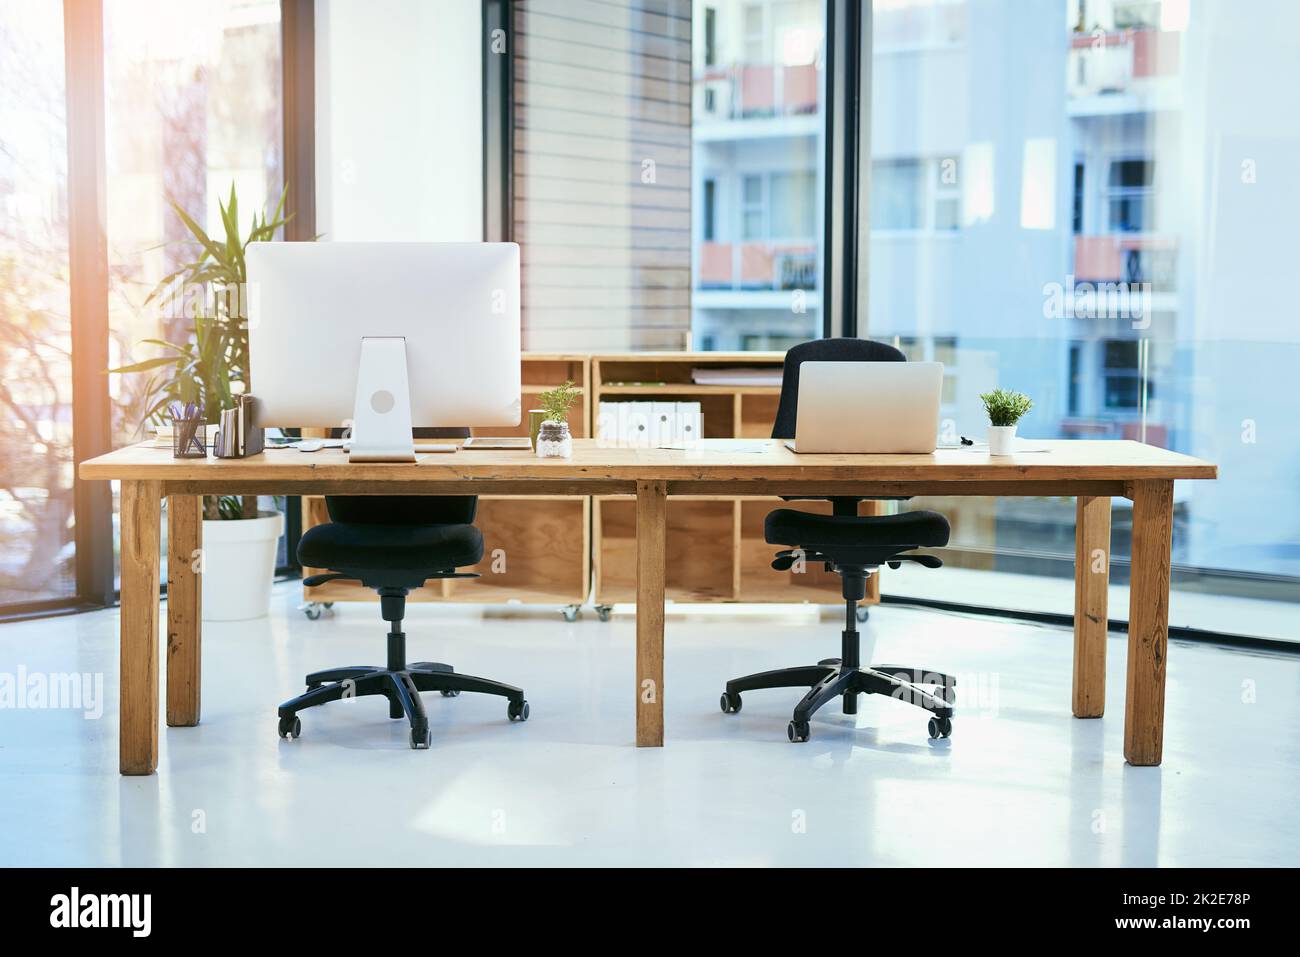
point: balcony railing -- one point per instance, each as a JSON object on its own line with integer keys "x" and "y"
{"x": 754, "y": 91}
{"x": 1126, "y": 258}
{"x": 757, "y": 265}
{"x": 1121, "y": 61}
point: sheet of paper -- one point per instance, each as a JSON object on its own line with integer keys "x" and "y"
{"x": 983, "y": 448}
{"x": 721, "y": 445}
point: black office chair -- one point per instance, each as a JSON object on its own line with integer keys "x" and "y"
{"x": 854, "y": 547}
{"x": 394, "y": 544}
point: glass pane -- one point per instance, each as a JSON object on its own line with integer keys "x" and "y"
{"x": 757, "y": 132}
{"x": 668, "y": 174}
{"x": 793, "y": 205}
{"x": 1107, "y": 248}
{"x": 192, "y": 108}
{"x": 602, "y": 166}
{"x": 897, "y": 195}
{"x": 36, "y": 540}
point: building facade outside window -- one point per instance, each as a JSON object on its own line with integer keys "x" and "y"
{"x": 757, "y": 174}
{"x": 1113, "y": 222}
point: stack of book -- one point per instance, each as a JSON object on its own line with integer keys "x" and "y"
{"x": 648, "y": 425}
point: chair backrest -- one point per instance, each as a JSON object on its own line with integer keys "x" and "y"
{"x": 822, "y": 350}
{"x": 407, "y": 509}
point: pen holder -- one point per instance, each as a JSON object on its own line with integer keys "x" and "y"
{"x": 189, "y": 438}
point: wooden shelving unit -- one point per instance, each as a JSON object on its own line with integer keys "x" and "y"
{"x": 716, "y": 550}
{"x": 535, "y": 549}
{"x": 544, "y": 550}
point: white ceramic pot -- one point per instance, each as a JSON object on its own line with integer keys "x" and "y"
{"x": 239, "y": 566}
{"x": 1002, "y": 439}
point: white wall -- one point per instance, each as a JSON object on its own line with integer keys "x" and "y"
{"x": 399, "y": 120}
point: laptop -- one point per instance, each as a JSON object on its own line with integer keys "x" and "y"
{"x": 868, "y": 407}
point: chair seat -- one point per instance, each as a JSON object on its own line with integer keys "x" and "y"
{"x": 354, "y": 547}
{"x": 788, "y": 526}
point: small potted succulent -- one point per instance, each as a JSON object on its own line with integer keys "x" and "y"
{"x": 553, "y": 438}
{"x": 1005, "y": 408}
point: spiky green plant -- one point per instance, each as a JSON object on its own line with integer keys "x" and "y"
{"x": 209, "y": 367}
{"x": 1005, "y": 407}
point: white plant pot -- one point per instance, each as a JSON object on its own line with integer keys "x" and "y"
{"x": 1002, "y": 439}
{"x": 239, "y": 566}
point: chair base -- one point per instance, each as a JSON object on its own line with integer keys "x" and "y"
{"x": 830, "y": 678}
{"x": 402, "y": 688}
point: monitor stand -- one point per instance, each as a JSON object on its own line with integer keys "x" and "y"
{"x": 381, "y": 411}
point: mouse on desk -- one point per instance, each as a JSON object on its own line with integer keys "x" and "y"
{"x": 310, "y": 445}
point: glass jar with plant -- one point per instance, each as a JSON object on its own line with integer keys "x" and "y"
{"x": 1005, "y": 408}
{"x": 207, "y": 368}
{"x": 553, "y": 438}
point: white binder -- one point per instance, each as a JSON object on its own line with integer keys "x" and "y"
{"x": 663, "y": 419}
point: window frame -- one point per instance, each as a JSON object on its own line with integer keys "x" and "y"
{"x": 1146, "y": 194}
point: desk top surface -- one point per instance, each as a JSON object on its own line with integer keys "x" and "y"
{"x": 1061, "y": 460}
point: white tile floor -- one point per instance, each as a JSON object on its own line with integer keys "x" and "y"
{"x": 1021, "y": 782}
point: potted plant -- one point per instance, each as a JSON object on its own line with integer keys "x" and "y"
{"x": 1005, "y": 408}
{"x": 553, "y": 438}
{"x": 208, "y": 368}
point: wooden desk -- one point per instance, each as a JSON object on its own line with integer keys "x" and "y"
{"x": 1092, "y": 472}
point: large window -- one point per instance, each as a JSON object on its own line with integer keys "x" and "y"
{"x": 36, "y": 501}
{"x": 190, "y": 106}
{"x": 192, "y": 109}
{"x": 1109, "y": 243}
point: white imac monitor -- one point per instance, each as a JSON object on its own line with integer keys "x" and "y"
{"x": 384, "y": 336}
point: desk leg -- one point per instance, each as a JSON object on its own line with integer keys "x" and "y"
{"x": 1091, "y": 578}
{"x": 651, "y": 534}
{"x": 138, "y": 709}
{"x": 184, "y": 608}
{"x": 1148, "y": 621}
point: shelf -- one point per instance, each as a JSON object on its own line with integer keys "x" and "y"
{"x": 550, "y": 545}
{"x": 683, "y": 388}
{"x": 530, "y": 548}
{"x": 716, "y": 550}
{"x": 700, "y": 559}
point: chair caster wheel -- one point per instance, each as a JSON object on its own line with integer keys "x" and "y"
{"x": 571, "y": 612}
{"x": 449, "y": 693}
{"x": 421, "y": 739}
{"x": 290, "y": 727}
{"x": 517, "y": 712}
{"x": 730, "y": 703}
{"x": 604, "y": 611}
{"x": 863, "y": 614}
{"x": 313, "y": 610}
{"x": 940, "y": 727}
{"x": 797, "y": 731}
